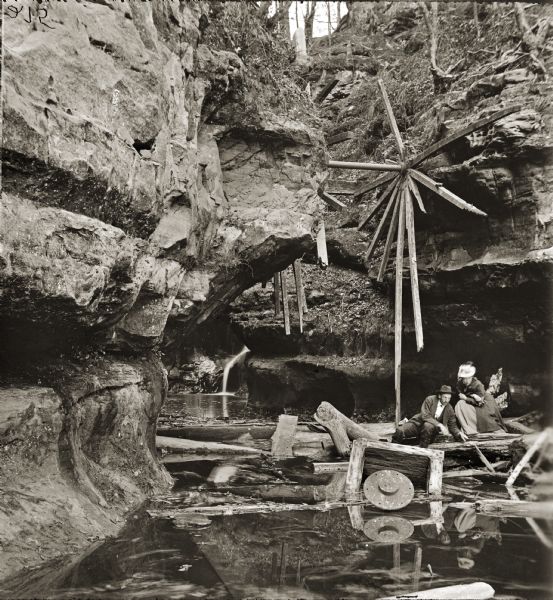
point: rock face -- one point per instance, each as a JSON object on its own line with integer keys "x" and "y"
{"x": 132, "y": 211}
{"x": 485, "y": 282}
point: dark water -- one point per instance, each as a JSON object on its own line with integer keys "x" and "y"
{"x": 296, "y": 554}
{"x": 206, "y": 406}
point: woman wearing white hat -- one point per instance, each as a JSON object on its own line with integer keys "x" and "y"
{"x": 476, "y": 409}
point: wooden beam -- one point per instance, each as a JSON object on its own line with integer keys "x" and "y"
{"x": 394, "y": 183}
{"x": 331, "y": 200}
{"x": 367, "y": 187}
{"x": 438, "y": 146}
{"x": 398, "y": 309}
{"x": 391, "y": 232}
{"x": 322, "y": 253}
{"x": 276, "y": 285}
{"x": 394, "y": 200}
{"x": 283, "y": 438}
{"x": 417, "y": 316}
{"x": 391, "y": 118}
{"x": 445, "y": 193}
{"x": 484, "y": 460}
{"x": 540, "y": 440}
{"x": 326, "y": 90}
{"x": 363, "y": 166}
{"x": 285, "y": 305}
{"x": 415, "y": 192}
{"x": 296, "y": 266}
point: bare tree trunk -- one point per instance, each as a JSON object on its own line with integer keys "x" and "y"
{"x": 309, "y": 19}
{"x": 532, "y": 42}
{"x": 361, "y": 15}
{"x": 442, "y": 79}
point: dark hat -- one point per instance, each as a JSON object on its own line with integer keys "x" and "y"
{"x": 445, "y": 389}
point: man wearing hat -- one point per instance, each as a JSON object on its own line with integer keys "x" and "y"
{"x": 476, "y": 409}
{"x": 436, "y": 416}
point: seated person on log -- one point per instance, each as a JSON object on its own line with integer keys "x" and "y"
{"x": 476, "y": 409}
{"x": 436, "y": 416}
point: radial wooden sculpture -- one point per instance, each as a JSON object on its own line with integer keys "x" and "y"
{"x": 403, "y": 179}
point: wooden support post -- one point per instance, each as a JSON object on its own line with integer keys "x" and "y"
{"x": 285, "y": 305}
{"x": 355, "y": 469}
{"x": 486, "y": 462}
{"x": 399, "y": 309}
{"x": 367, "y": 187}
{"x": 356, "y": 517}
{"x": 322, "y": 253}
{"x": 330, "y": 200}
{"x": 394, "y": 200}
{"x": 416, "y": 193}
{"x": 283, "y": 438}
{"x": 435, "y": 472}
{"x": 276, "y": 285}
{"x": 391, "y": 233}
{"x": 542, "y": 437}
{"x": 445, "y": 193}
{"x": 417, "y": 563}
{"x": 378, "y": 205}
{"x": 391, "y": 118}
{"x": 299, "y": 290}
{"x": 417, "y": 317}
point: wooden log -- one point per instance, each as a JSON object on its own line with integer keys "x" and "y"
{"x": 486, "y": 462}
{"x": 326, "y": 412}
{"x": 322, "y": 253}
{"x": 363, "y": 166}
{"x": 546, "y": 434}
{"x": 509, "y": 508}
{"x": 367, "y": 187}
{"x": 516, "y": 427}
{"x": 464, "y": 591}
{"x": 441, "y": 144}
{"x": 334, "y": 467}
{"x": 474, "y": 473}
{"x": 276, "y": 285}
{"x": 393, "y": 202}
{"x": 283, "y": 438}
{"x": 340, "y": 137}
{"x": 212, "y": 433}
{"x": 330, "y": 200}
{"x": 322, "y": 94}
{"x": 445, "y": 193}
{"x": 398, "y": 330}
{"x": 417, "y": 316}
{"x": 415, "y": 191}
{"x": 391, "y": 117}
{"x": 494, "y": 446}
{"x": 185, "y": 446}
{"x": 391, "y": 187}
{"x": 391, "y": 233}
{"x": 285, "y": 305}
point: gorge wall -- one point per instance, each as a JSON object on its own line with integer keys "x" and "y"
{"x": 146, "y": 184}
{"x": 486, "y": 283}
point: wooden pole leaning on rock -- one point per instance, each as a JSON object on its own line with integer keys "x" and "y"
{"x": 300, "y": 293}
{"x": 285, "y": 305}
{"x": 276, "y": 285}
{"x": 342, "y": 430}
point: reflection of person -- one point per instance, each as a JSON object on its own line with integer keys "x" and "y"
{"x": 476, "y": 409}
{"x": 436, "y": 416}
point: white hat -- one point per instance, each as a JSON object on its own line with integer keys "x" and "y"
{"x": 466, "y": 370}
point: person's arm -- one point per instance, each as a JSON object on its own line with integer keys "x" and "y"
{"x": 452, "y": 424}
{"x": 427, "y": 414}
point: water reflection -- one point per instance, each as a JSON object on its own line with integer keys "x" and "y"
{"x": 351, "y": 552}
{"x": 205, "y": 406}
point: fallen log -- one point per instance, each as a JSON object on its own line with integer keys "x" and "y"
{"x": 185, "y": 446}
{"x": 538, "y": 441}
{"x": 341, "y": 429}
{"x": 475, "y": 473}
{"x": 509, "y": 508}
{"x": 465, "y": 591}
{"x": 495, "y": 446}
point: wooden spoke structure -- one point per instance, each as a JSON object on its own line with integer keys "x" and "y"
{"x": 403, "y": 180}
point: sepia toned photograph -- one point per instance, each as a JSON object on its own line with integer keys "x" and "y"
{"x": 276, "y": 300}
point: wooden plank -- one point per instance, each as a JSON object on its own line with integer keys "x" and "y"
{"x": 391, "y": 117}
{"x": 330, "y": 200}
{"x": 276, "y": 285}
{"x": 398, "y": 310}
{"x": 355, "y": 468}
{"x": 416, "y": 193}
{"x": 486, "y": 462}
{"x": 180, "y": 445}
{"x": 540, "y": 440}
{"x": 367, "y": 187}
{"x": 363, "y": 166}
{"x": 417, "y": 316}
{"x": 283, "y": 438}
{"x": 322, "y": 253}
{"x": 473, "y": 473}
{"x": 391, "y": 233}
{"x": 394, "y": 200}
{"x": 340, "y": 137}
{"x": 391, "y": 187}
{"x": 341, "y": 467}
{"x": 445, "y": 193}
{"x": 326, "y": 90}
{"x": 438, "y": 146}
{"x": 435, "y": 473}
{"x": 285, "y": 305}
{"x": 300, "y": 294}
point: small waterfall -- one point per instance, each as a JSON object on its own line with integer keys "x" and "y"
{"x": 229, "y": 366}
